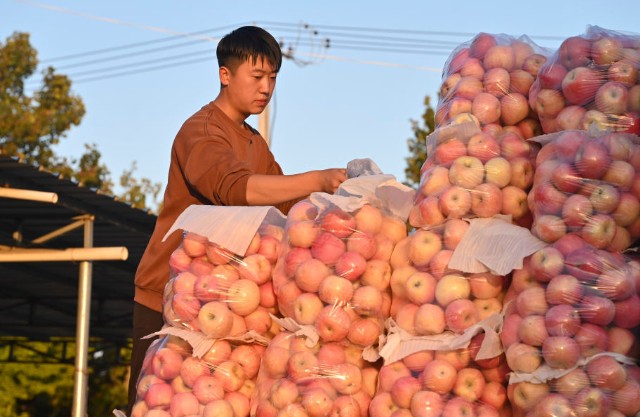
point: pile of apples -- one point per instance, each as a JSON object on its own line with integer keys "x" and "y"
{"x": 480, "y": 175}
{"x": 298, "y": 378}
{"x": 589, "y": 186}
{"x": 428, "y": 298}
{"x": 591, "y": 79}
{"x": 222, "y": 294}
{"x": 174, "y": 383}
{"x": 572, "y": 308}
{"x": 442, "y": 383}
{"x": 333, "y": 273}
{"x": 489, "y": 78}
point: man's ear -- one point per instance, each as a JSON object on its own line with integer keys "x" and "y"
{"x": 224, "y": 74}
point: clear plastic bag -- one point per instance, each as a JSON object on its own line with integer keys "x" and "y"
{"x": 588, "y": 185}
{"x": 489, "y": 78}
{"x": 470, "y": 173}
{"x": 220, "y": 293}
{"x": 174, "y": 383}
{"x": 592, "y": 79}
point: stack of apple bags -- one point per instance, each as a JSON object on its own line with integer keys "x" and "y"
{"x": 332, "y": 284}
{"x": 217, "y": 309}
{"x": 571, "y": 313}
{"x": 571, "y": 329}
{"x": 443, "y": 355}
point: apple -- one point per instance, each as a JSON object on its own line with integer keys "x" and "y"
{"x": 367, "y": 301}
{"x": 498, "y": 171}
{"x": 514, "y": 107}
{"x": 429, "y": 320}
{"x": 350, "y": 265}
{"x": 333, "y": 324}
{"x": 446, "y": 152}
{"x": 454, "y": 230}
{"x": 533, "y": 64}
{"x": 522, "y": 357}
{"x": 592, "y": 160}
{"x": 458, "y": 407}
{"x": 255, "y": 267}
{"x": 570, "y": 383}
{"x": 472, "y": 68}
{"x": 466, "y": 171}
{"x": 606, "y": 50}
{"x": 328, "y": 247}
{"x": 521, "y": 173}
{"x": 207, "y": 388}
{"x": 461, "y": 314}
{"x": 403, "y": 389}
{"x": 470, "y": 384}
{"x": 611, "y": 98}
{"x": 512, "y": 145}
{"x": 531, "y": 300}
{"x": 633, "y": 97}
{"x": 520, "y": 81}
{"x": 480, "y": 44}
{"x": 215, "y": 319}
{"x": 424, "y": 244}
{"x": 219, "y": 352}
{"x": 549, "y": 228}
{"x": 420, "y": 288}
{"x": 554, "y": 405}
{"x": 389, "y": 373}
{"x": 546, "y": 263}
{"x": 338, "y": 222}
{"x": 626, "y": 399}
{"x": 548, "y": 103}
{"x": 416, "y": 361}
{"x": 497, "y": 81}
{"x": 599, "y": 230}
{"x": 459, "y": 358}
{"x": 486, "y": 285}
{"x": 570, "y": 117}
{"x": 525, "y": 396}
{"x": 303, "y": 210}
{"x": 574, "y": 51}
{"x": 605, "y": 372}
{"x": 576, "y": 210}
{"x": 533, "y": 330}
{"x": 494, "y": 394}
{"x": 166, "y": 363}
{"x": 627, "y": 312}
{"x": 580, "y": 84}
{"x": 546, "y": 199}
{"x": 455, "y": 202}
{"x": 452, "y": 287}
{"x": 439, "y": 264}
{"x": 159, "y": 396}
{"x": 243, "y": 297}
{"x": 619, "y": 340}
{"x": 592, "y": 339}
{"x": 499, "y": 56}
{"x": 560, "y": 352}
{"x": 487, "y": 307}
{"x": 293, "y": 258}
{"x": 335, "y": 290}
{"x": 438, "y": 376}
{"x": 486, "y": 200}
{"x": 566, "y": 289}
{"x": 562, "y": 320}
{"x": 627, "y": 211}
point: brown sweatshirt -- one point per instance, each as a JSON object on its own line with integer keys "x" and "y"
{"x": 211, "y": 161}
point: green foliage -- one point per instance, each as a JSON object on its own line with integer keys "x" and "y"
{"x": 418, "y": 144}
{"x": 31, "y": 125}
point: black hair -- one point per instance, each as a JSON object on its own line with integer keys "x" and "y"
{"x": 248, "y": 42}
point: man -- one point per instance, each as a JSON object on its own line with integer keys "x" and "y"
{"x": 218, "y": 159}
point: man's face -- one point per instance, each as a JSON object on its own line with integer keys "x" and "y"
{"x": 251, "y": 85}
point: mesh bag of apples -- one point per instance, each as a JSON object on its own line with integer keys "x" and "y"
{"x": 332, "y": 287}
{"x": 489, "y": 78}
{"x": 218, "y": 310}
{"x": 591, "y": 79}
{"x": 472, "y": 173}
{"x": 572, "y": 325}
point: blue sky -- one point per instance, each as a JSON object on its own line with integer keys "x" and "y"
{"x": 354, "y": 99}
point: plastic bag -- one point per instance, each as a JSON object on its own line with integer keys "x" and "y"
{"x": 470, "y": 173}
{"x": 442, "y": 382}
{"x": 489, "y": 77}
{"x": 332, "y": 277}
{"x": 221, "y": 293}
{"x": 592, "y": 79}
{"x": 297, "y": 377}
{"x": 588, "y": 185}
{"x": 175, "y": 383}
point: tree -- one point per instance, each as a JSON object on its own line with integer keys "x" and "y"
{"x": 418, "y": 144}
{"x": 31, "y": 125}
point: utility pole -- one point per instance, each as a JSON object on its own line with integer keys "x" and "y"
{"x": 264, "y": 126}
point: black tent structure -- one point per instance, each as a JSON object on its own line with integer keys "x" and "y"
{"x": 68, "y": 256}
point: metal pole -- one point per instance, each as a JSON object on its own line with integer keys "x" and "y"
{"x": 82, "y": 328}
